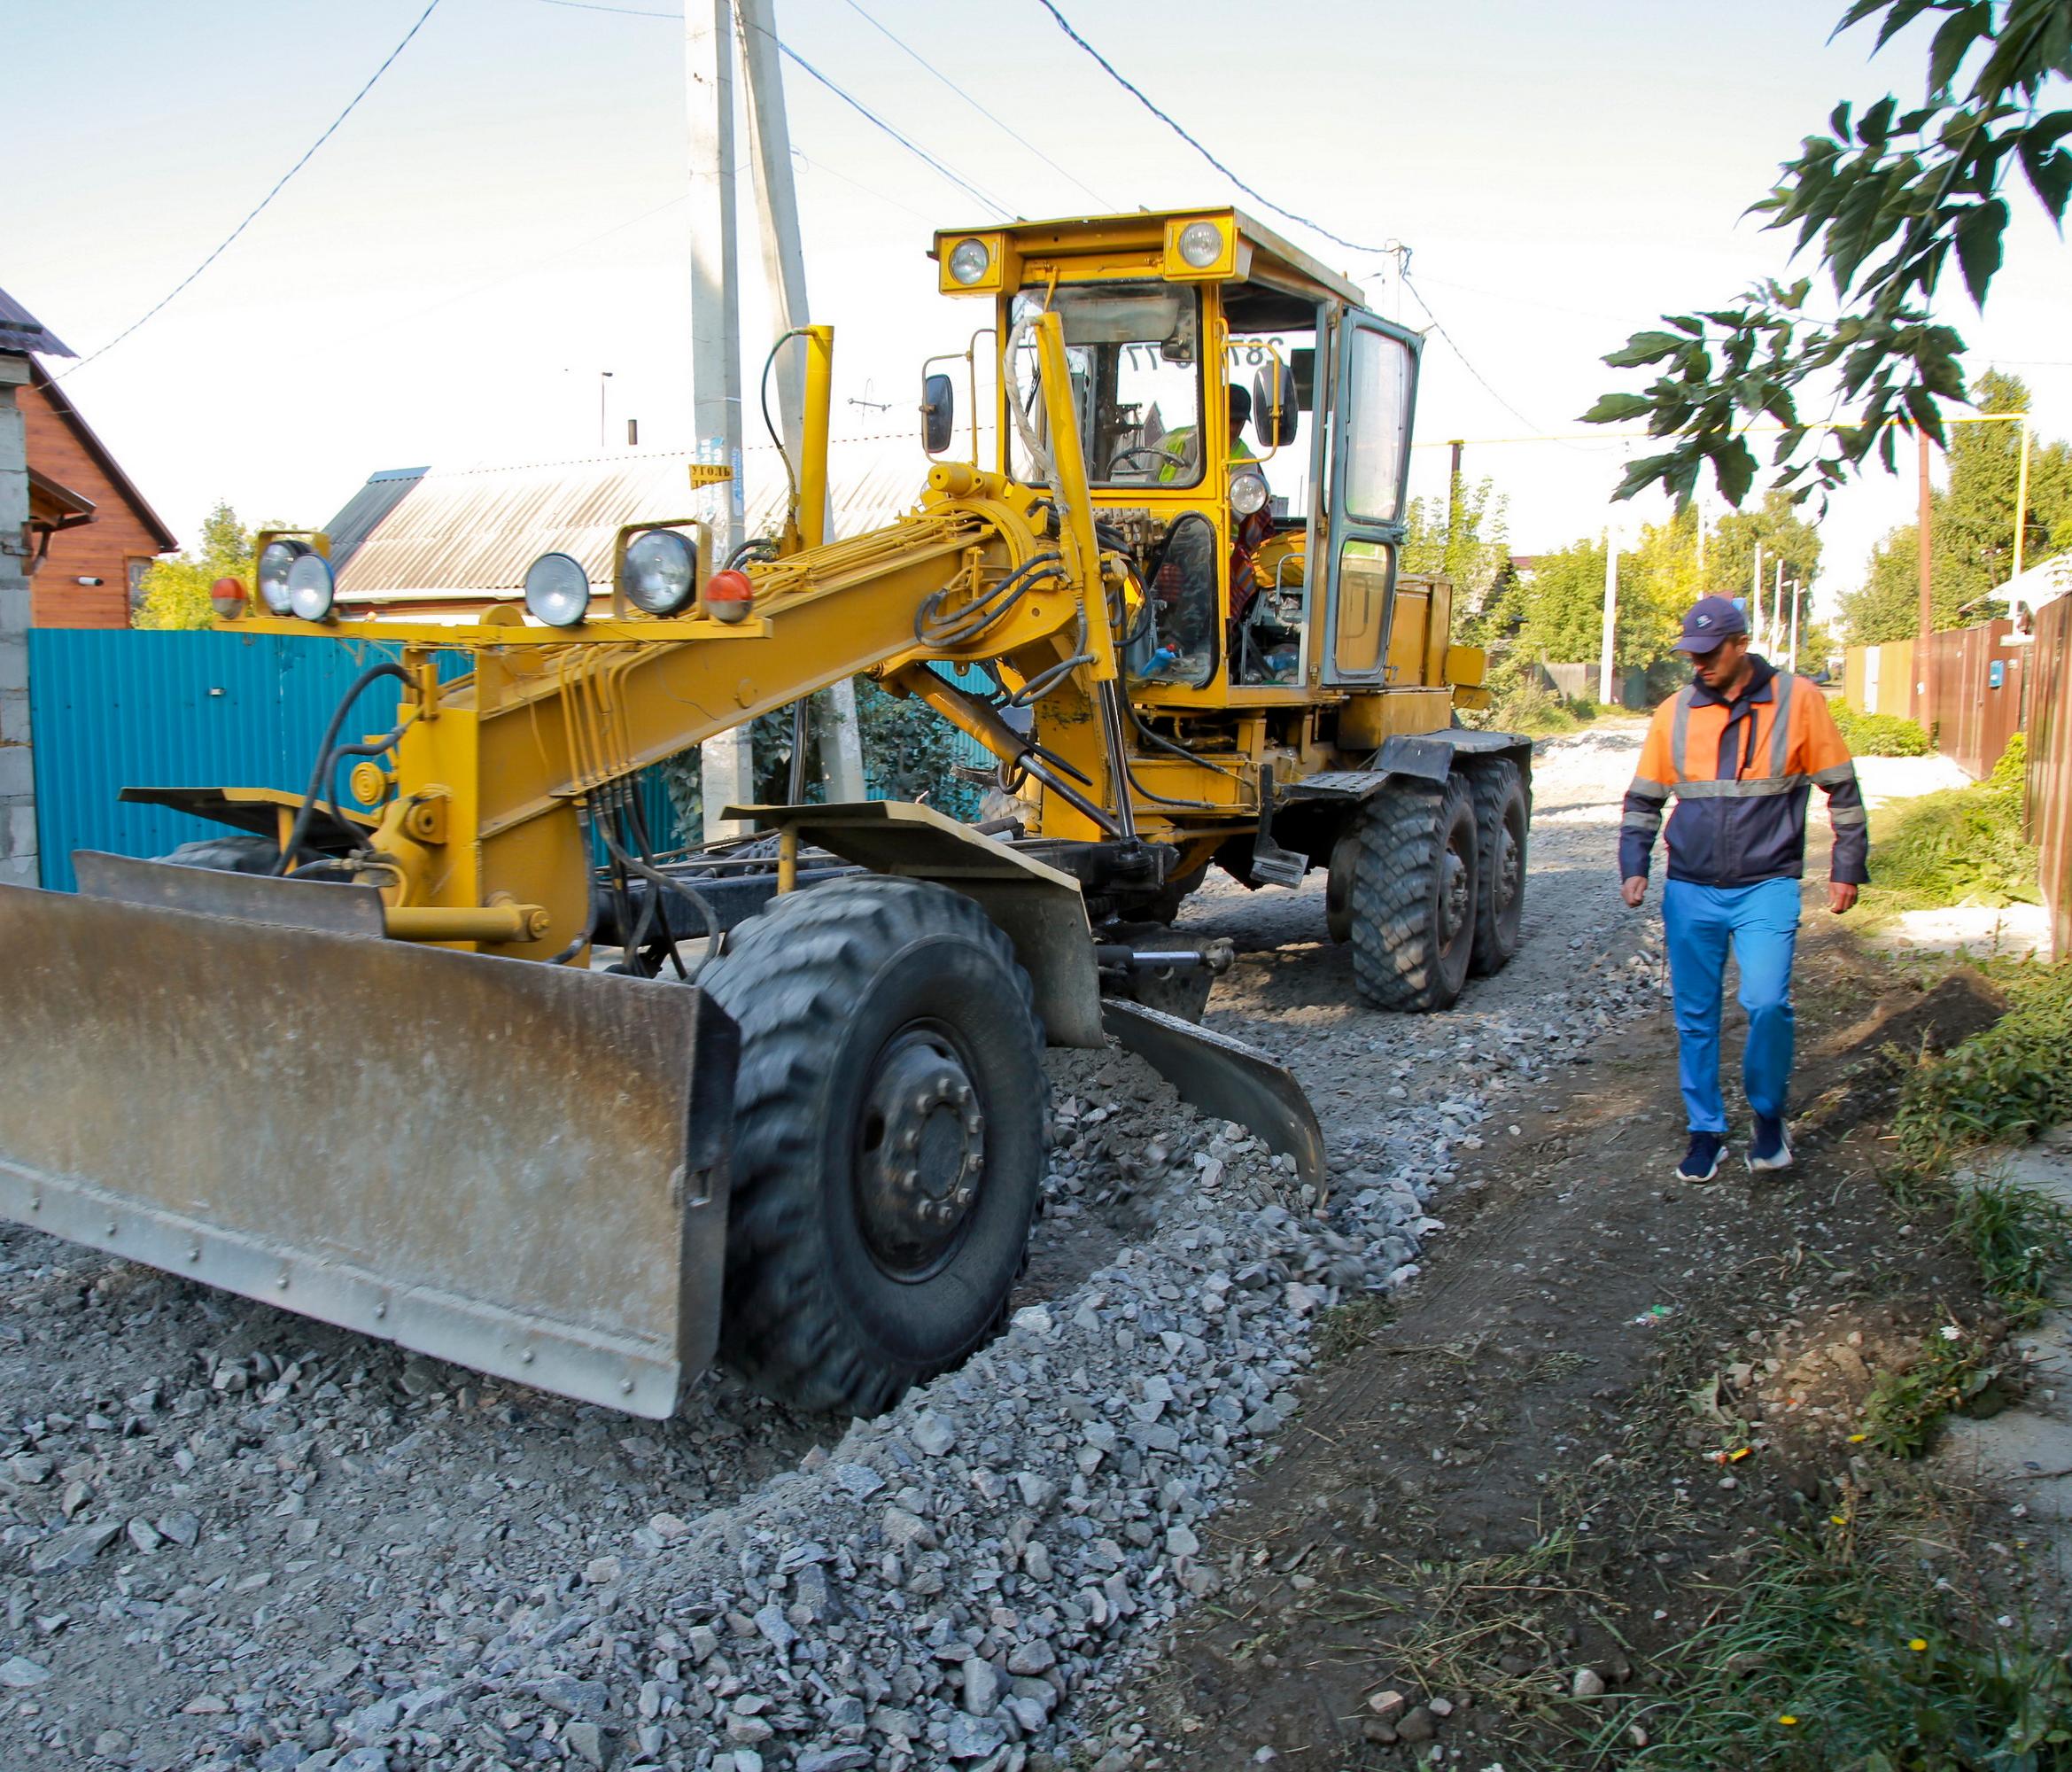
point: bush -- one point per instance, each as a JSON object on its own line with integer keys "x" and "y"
{"x": 1880, "y": 734}
{"x": 1962, "y": 846}
{"x": 1525, "y": 703}
{"x": 2004, "y": 1083}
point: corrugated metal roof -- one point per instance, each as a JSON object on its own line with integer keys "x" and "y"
{"x": 21, "y": 330}
{"x": 478, "y": 529}
{"x": 364, "y": 509}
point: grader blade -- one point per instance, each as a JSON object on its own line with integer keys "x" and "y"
{"x": 1225, "y": 1077}
{"x": 517, "y": 1167}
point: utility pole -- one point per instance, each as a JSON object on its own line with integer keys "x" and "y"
{"x": 603, "y": 440}
{"x": 725, "y": 761}
{"x": 1791, "y": 654}
{"x": 1453, "y": 493}
{"x": 2021, "y": 499}
{"x": 1610, "y": 615}
{"x": 784, "y": 267}
{"x": 1755, "y": 593}
{"x": 1777, "y": 608}
{"x": 1925, "y": 633}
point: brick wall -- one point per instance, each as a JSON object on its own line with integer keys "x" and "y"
{"x": 101, "y": 549}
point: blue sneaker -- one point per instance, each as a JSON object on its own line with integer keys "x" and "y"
{"x": 1771, "y": 1147}
{"x": 1701, "y": 1162}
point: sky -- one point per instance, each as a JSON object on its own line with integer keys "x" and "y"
{"x": 502, "y": 219}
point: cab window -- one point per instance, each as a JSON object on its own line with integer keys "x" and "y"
{"x": 1134, "y": 349}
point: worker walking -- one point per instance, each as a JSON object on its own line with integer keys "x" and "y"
{"x": 1740, "y": 746}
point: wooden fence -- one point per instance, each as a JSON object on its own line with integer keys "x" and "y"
{"x": 1976, "y": 677}
{"x": 2049, "y": 765}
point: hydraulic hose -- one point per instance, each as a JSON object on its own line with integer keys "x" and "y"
{"x": 328, "y": 754}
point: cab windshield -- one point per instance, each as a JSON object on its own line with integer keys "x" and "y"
{"x": 1135, "y": 362}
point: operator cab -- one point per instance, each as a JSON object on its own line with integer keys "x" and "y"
{"x": 1194, "y": 344}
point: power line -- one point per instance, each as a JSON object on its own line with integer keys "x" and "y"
{"x": 990, "y": 116}
{"x": 805, "y": 158}
{"x": 1454, "y": 345}
{"x": 864, "y": 111}
{"x": 1251, "y": 191}
{"x": 629, "y": 12}
{"x": 263, "y": 201}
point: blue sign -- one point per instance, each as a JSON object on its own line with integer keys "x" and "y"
{"x": 1996, "y": 673}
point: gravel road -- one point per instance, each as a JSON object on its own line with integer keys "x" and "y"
{"x": 232, "y": 1538}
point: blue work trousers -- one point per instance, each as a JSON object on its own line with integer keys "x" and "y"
{"x": 1761, "y": 924}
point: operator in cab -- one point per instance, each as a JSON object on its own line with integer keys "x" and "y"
{"x": 1182, "y": 655}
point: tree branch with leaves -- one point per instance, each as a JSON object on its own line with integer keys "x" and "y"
{"x": 1892, "y": 196}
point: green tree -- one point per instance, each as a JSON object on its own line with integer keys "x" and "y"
{"x": 1893, "y": 196}
{"x": 1469, "y": 543}
{"x": 177, "y": 591}
{"x": 1783, "y": 535}
{"x": 1971, "y": 528}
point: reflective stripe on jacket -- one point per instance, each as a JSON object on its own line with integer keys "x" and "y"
{"x": 1740, "y": 773}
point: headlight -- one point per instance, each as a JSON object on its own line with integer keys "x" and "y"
{"x": 226, "y": 597}
{"x": 557, "y": 590}
{"x": 311, "y": 587}
{"x": 1247, "y": 493}
{"x": 662, "y": 572}
{"x": 273, "y": 572}
{"x": 1201, "y": 243}
{"x": 969, "y": 260}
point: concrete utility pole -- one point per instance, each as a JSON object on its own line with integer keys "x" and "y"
{"x": 784, "y": 267}
{"x": 726, "y": 764}
{"x": 603, "y": 439}
{"x": 1756, "y": 595}
{"x": 1926, "y": 630}
{"x": 1610, "y": 615}
{"x": 1791, "y": 653}
{"x": 1777, "y": 606}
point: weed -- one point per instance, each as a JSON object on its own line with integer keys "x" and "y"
{"x": 2021, "y": 1239}
{"x": 1842, "y": 1651}
{"x": 1345, "y": 1328}
{"x": 1904, "y": 1408}
{"x": 2004, "y": 1083}
{"x": 1880, "y": 734}
{"x": 1961, "y": 847}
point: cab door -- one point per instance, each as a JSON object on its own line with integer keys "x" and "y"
{"x": 1377, "y": 374}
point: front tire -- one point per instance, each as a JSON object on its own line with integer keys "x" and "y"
{"x": 1413, "y": 893}
{"x": 889, "y": 1140}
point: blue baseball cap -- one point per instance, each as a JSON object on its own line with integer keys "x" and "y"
{"x": 1711, "y": 621}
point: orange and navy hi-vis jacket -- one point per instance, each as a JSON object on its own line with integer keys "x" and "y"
{"x": 1741, "y": 773}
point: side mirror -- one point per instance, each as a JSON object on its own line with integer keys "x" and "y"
{"x": 1277, "y": 409}
{"x": 938, "y": 413}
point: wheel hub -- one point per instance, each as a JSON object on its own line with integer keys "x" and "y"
{"x": 1453, "y": 909}
{"x": 921, "y": 1155}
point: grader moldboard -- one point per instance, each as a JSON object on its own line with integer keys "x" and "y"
{"x": 354, "y": 1059}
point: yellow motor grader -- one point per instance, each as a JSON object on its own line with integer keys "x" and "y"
{"x": 362, "y": 1058}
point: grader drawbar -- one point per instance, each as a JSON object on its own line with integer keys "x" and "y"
{"x": 442, "y": 1050}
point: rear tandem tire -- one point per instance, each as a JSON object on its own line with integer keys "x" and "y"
{"x": 1502, "y": 823}
{"x": 890, "y": 1055}
{"x": 1412, "y": 894}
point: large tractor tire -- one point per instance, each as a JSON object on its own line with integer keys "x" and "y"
{"x": 889, "y": 1140}
{"x": 1412, "y": 894}
{"x": 1503, "y": 820}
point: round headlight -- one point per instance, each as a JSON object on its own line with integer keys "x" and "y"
{"x": 226, "y": 597}
{"x": 662, "y": 572}
{"x": 310, "y": 588}
{"x": 273, "y": 572}
{"x": 1201, "y": 243}
{"x": 1247, "y": 493}
{"x": 557, "y": 590}
{"x": 969, "y": 260}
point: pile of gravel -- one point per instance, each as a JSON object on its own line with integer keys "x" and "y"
{"x": 228, "y": 1538}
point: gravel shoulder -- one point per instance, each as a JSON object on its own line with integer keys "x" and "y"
{"x": 231, "y": 1538}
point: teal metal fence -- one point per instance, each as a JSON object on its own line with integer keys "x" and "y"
{"x": 113, "y": 708}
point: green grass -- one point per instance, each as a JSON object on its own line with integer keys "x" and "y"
{"x": 1880, "y": 734}
{"x": 1538, "y": 711}
{"x": 1960, "y": 846}
{"x": 1840, "y": 1653}
{"x": 2003, "y": 1085}
{"x": 1903, "y": 1410}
